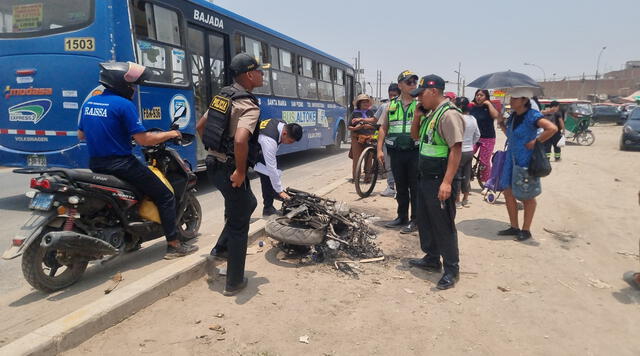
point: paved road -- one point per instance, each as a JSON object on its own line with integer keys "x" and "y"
{"x": 25, "y": 309}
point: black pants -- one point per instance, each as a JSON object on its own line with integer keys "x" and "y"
{"x": 463, "y": 181}
{"x": 131, "y": 170}
{"x": 553, "y": 141}
{"x": 268, "y": 193}
{"x": 404, "y": 165}
{"x": 436, "y": 226}
{"x": 239, "y": 204}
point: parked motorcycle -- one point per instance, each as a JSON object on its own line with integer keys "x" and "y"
{"x": 79, "y": 216}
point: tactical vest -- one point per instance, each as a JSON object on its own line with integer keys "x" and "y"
{"x": 216, "y": 131}
{"x": 399, "y": 132}
{"x": 269, "y": 128}
{"x": 434, "y": 150}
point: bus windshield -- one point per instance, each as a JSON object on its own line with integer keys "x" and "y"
{"x": 34, "y": 18}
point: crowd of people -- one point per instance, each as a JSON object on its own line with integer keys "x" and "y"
{"x": 428, "y": 137}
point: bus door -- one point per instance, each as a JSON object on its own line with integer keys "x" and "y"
{"x": 208, "y": 54}
{"x": 349, "y": 94}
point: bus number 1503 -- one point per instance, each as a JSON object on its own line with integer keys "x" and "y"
{"x": 79, "y": 44}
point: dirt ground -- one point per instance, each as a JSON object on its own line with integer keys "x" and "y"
{"x": 559, "y": 294}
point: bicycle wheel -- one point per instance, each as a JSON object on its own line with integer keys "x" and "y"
{"x": 476, "y": 171}
{"x": 366, "y": 172}
{"x": 586, "y": 138}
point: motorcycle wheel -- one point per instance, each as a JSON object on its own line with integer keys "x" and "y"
{"x": 283, "y": 230}
{"x": 43, "y": 271}
{"x": 191, "y": 218}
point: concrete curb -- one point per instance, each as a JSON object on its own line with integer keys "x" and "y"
{"x": 75, "y": 328}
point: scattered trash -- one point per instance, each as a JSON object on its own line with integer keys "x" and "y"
{"x": 409, "y": 291}
{"x": 596, "y": 283}
{"x": 260, "y": 243}
{"x": 219, "y": 315}
{"x": 564, "y": 236}
{"x": 116, "y": 279}
{"x": 471, "y": 295}
{"x": 617, "y": 180}
{"x": 218, "y": 328}
{"x": 398, "y": 277}
{"x": 253, "y": 250}
{"x": 304, "y": 339}
{"x": 346, "y": 268}
{"x": 504, "y": 289}
{"x": 198, "y": 321}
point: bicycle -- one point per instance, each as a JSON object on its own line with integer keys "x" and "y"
{"x": 476, "y": 170}
{"x": 367, "y": 169}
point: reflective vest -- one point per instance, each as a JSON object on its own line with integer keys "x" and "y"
{"x": 216, "y": 131}
{"x": 431, "y": 143}
{"x": 399, "y": 132}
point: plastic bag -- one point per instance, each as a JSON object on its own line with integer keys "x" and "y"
{"x": 562, "y": 141}
{"x": 539, "y": 165}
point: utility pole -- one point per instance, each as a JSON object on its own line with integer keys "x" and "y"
{"x": 458, "y": 91}
{"x": 595, "y": 87}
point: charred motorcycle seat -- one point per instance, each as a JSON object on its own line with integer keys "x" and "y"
{"x": 99, "y": 179}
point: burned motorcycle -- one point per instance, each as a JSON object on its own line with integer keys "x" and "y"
{"x": 79, "y": 216}
{"x": 326, "y": 226}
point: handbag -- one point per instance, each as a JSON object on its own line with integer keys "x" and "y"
{"x": 539, "y": 165}
{"x": 523, "y": 185}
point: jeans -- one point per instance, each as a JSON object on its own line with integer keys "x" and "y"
{"x": 436, "y": 225}
{"x": 463, "y": 181}
{"x": 391, "y": 183}
{"x": 132, "y": 171}
{"x": 404, "y": 165}
{"x": 239, "y": 204}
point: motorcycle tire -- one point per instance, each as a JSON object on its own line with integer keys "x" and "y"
{"x": 36, "y": 257}
{"x": 281, "y": 229}
{"x": 191, "y": 219}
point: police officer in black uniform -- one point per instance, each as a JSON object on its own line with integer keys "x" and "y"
{"x": 229, "y": 130}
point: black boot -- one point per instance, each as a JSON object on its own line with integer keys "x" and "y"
{"x": 448, "y": 280}
{"x": 397, "y": 222}
{"x": 429, "y": 266}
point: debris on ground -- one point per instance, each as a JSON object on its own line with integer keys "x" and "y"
{"x": 596, "y": 283}
{"x": 219, "y": 315}
{"x": 324, "y": 229}
{"x": 304, "y": 339}
{"x": 504, "y": 289}
{"x": 219, "y": 328}
{"x": 116, "y": 279}
{"x": 628, "y": 254}
{"x": 564, "y": 236}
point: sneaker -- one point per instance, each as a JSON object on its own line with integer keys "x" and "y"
{"x": 412, "y": 227}
{"x": 523, "y": 235}
{"x": 231, "y": 291}
{"x": 465, "y": 203}
{"x": 180, "y": 251}
{"x": 458, "y": 205}
{"x": 266, "y": 212}
{"x": 511, "y": 231}
{"x": 389, "y": 192}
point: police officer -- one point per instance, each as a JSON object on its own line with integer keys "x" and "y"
{"x": 403, "y": 150}
{"x": 107, "y": 122}
{"x": 229, "y": 130}
{"x": 440, "y": 134}
{"x": 273, "y": 132}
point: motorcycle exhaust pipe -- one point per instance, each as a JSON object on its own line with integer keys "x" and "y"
{"x": 77, "y": 243}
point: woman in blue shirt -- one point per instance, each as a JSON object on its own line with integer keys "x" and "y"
{"x": 521, "y": 129}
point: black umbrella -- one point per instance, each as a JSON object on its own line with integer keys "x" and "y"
{"x": 504, "y": 80}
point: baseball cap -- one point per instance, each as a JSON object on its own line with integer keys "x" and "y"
{"x": 451, "y": 95}
{"x": 244, "y": 62}
{"x": 428, "y": 81}
{"x": 394, "y": 87}
{"x": 520, "y": 92}
{"x": 406, "y": 74}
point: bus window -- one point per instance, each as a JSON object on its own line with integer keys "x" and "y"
{"x": 216, "y": 62}
{"x": 38, "y": 18}
{"x": 198, "y": 69}
{"x": 259, "y": 51}
{"x": 284, "y": 81}
{"x": 338, "y": 87}
{"x": 307, "y": 86}
{"x": 325, "y": 88}
{"x": 159, "y": 45}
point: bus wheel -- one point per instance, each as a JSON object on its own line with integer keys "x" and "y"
{"x": 337, "y": 142}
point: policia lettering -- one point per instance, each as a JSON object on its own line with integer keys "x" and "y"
{"x": 216, "y": 131}
{"x": 398, "y": 135}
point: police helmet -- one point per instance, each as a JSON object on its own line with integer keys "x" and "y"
{"x": 122, "y": 76}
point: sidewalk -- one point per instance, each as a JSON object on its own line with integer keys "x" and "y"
{"x": 558, "y": 294}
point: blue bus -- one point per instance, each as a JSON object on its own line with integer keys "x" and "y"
{"x": 50, "y": 50}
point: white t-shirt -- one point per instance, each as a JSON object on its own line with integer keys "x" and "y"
{"x": 471, "y": 133}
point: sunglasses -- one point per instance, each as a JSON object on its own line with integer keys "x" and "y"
{"x": 411, "y": 82}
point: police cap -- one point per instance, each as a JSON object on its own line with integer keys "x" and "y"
{"x": 428, "y": 81}
{"x": 244, "y": 62}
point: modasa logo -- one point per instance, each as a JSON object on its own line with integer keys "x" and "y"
{"x": 9, "y": 92}
{"x": 30, "y": 111}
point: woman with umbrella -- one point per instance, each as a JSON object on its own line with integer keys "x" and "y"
{"x": 485, "y": 114}
{"x": 521, "y": 130}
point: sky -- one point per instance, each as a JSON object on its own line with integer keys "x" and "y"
{"x": 562, "y": 37}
